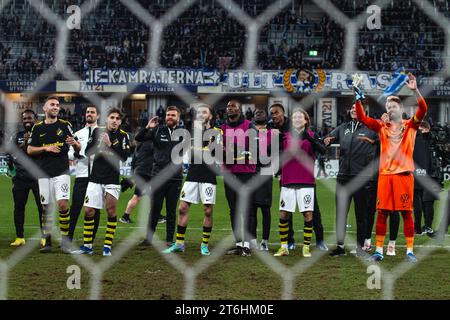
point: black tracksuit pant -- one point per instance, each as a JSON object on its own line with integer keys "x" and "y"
{"x": 21, "y": 189}
{"x": 361, "y": 202}
{"x": 76, "y": 205}
{"x": 170, "y": 191}
{"x": 266, "y": 220}
{"x": 420, "y": 205}
{"x": 235, "y": 214}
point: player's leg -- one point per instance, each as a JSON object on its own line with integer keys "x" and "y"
{"x": 408, "y": 229}
{"x": 183, "y": 220}
{"x": 287, "y": 207}
{"x": 79, "y": 192}
{"x": 253, "y": 224}
{"x": 94, "y": 199}
{"x": 445, "y": 220}
{"x": 111, "y": 198}
{"x": 428, "y": 210}
{"x": 132, "y": 203}
{"x": 342, "y": 199}
{"x": 35, "y": 190}
{"x": 172, "y": 194}
{"x": 47, "y": 202}
{"x": 307, "y": 232}
{"x": 394, "y": 225}
{"x": 157, "y": 200}
{"x": 429, "y": 198}
{"x": 208, "y": 198}
{"x": 88, "y": 233}
{"x": 385, "y": 206}
{"x": 317, "y": 225}
{"x": 207, "y": 228}
{"x": 266, "y": 221}
{"x": 371, "y": 211}
{"x": 418, "y": 208}
{"x": 361, "y": 206}
{"x": 20, "y": 195}
{"x": 380, "y": 228}
{"x": 283, "y": 228}
{"x": 62, "y": 196}
{"x": 291, "y": 240}
{"x": 404, "y": 185}
{"x": 305, "y": 201}
{"x": 231, "y": 196}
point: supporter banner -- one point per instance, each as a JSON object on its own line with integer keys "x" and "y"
{"x": 23, "y": 86}
{"x": 440, "y": 86}
{"x": 155, "y": 77}
{"x": 295, "y": 81}
{"x": 82, "y": 86}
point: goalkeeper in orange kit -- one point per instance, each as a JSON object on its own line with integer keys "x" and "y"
{"x": 396, "y": 180}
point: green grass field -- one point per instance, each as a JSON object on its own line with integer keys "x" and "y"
{"x": 142, "y": 273}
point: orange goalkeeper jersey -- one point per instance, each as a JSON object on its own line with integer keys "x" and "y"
{"x": 396, "y": 139}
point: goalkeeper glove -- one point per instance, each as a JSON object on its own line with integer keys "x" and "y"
{"x": 359, "y": 94}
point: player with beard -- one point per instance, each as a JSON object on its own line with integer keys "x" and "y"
{"x": 200, "y": 184}
{"x": 83, "y": 171}
{"x": 50, "y": 142}
{"x": 396, "y": 179}
{"x": 163, "y": 143}
{"x": 23, "y": 181}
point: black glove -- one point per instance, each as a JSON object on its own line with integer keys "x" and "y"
{"x": 126, "y": 184}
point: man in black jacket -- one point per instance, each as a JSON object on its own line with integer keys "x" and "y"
{"x": 424, "y": 197}
{"x": 170, "y": 190}
{"x": 23, "y": 181}
{"x": 357, "y": 152}
{"x": 141, "y": 165}
{"x": 281, "y": 123}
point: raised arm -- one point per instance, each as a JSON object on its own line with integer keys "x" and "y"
{"x": 371, "y": 123}
{"x": 422, "y": 110}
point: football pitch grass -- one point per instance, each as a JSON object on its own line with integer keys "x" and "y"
{"x": 143, "y": 273}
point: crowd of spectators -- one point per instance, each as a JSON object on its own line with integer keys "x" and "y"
{"x": 207, "y": 36}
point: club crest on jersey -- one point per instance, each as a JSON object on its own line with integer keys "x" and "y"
{"x": 59, "y": 132}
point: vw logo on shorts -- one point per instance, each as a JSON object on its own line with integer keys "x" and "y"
{"x": 65, "y": 188}
{"x": 307, "y": 199}
{"x": 209, "y": 191}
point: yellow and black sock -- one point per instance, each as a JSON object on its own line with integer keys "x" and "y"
{"x": 206, "y": 235}
{"x": 283, "y": 227}
{"x": 307, "y": 232}
{"x": 64, "y": 221}
{"x": 88, "y": 231}
{"x": 181, "y": 231}
{"x": 110, "y": 231}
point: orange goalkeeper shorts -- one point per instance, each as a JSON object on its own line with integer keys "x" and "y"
{"x": 395, "y": 192}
